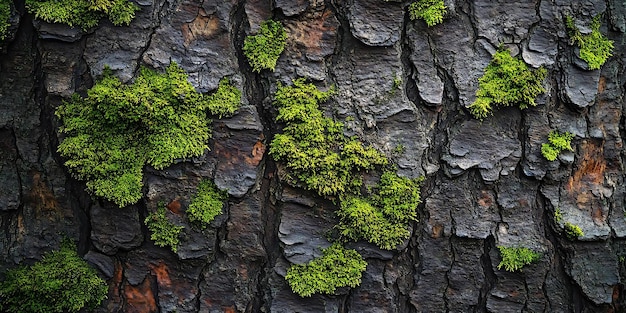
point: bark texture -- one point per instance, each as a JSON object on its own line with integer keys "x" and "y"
{"x": 486, "y": 185}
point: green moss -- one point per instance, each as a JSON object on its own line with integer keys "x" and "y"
{"x": 556, "y": 144}
{"x": 573, "y": 231}
{"x": 264, "y": 48}
{"x": 313, "y": 147}
{"x": 5, "y": 15}
{"x": 507, "y": 81}
{"x": 558, "y": 216}
{"x": 112, "y": 133}
{"x": 60, "y": 282}
{"x": 549, "y": 152}
{"x": 163, "y": 232}
{"x": 383, "y": 217}
{"x": 83, "y": 13}
{"x": 360, "y": 219}
{"x": 337, "y": 267}
{"x": 226, "y": 100}
{"x": 513, "y": 259}
{"x": 595, "y": 49}
{"x": 206, "y": 204}
{"x": 431, "y": 11}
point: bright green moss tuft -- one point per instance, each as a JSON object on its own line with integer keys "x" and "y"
{"x": 549, "y": 152}
{"x": 60, "y": 282}
{"x": 83, "y": 13}
{"x": 226, "y": 100}
{"x": 595, "y": 49}
{"x": 431, "y": 11}
{"x": 573, "y": 231}
{"x": 112, "y": 133}
{"x": 513, "y": 259}
{"x": 382, "y": 218}
{"x": 313, "y": 147}
{"x": 561, "y": 141}
{"x": 164, "y": 232}
{"x": 398, "y": 197}
{"x": 507, "y": 81}
{"x": 5, "y": 15}
{"x": 337, "y": 267}
{"x": 556, "y": 144}
{"x": 264, "y": 48}
{"x": 206, "y": 204}
{"x": 558, "y": 215}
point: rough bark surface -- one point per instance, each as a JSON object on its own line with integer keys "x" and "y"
{"x": 486, "y": 185}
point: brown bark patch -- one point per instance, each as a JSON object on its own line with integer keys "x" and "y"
{"x": 162, "y": 274}
{"x": 235, "y": 156}
{"x": 485, "y": 199}
{"x": 175, "y": 207}
{"x": 140, "y": 299}
{"x": 41, "y": 196}
{"x": 114, "y": 298}
{"x": 601, "y": 84}
{"x": 257, "y": 154}
{"x": 315, "y": 36}
{"x": 589, "y": 178}
{"x": 204, "y": 26}
{"x": 590, "y": 169}
{"x": 437, "y": 231}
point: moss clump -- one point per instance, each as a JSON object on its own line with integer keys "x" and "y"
{"x": 595, "y": 49}
{"x": 431, "y": 11}
{"x": 83, "y": 13}
{"x": 513, "y": 259}
{"x": 313, "y": 147}
{"x": 225, "y": 101}
{"x": 382, "y": 218}
{"x": 264, "y": 48}
{"x": 558, "y": 215}
{"x": 164, "y": 232}
{"x": 337, "y": 267}
{"x": 117, "y": 129}
{"x": 206, "y": 204}
{"x": 573, "y": 231}
{"x": 556, "y": 144}
{"x": 60, "y": 282}
{"x": 5, "y": 15}
{"x": 507, "y": 81}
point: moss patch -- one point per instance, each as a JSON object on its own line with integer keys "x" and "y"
{"x": 5, "y": 14}
{"x": 595, "y": 49}
{"x": 264, "y": 48}
{"x": 163, "y": 232}
{"x": 381, "y": 218}
{"x": 314, "y": 148}
{"x": 60, "y": 282}
{"x": 513, "y": 259}
{"x": 83, "y": 13}
{"x": 431, "y": 11}
{"x": 507, "y": 81}
{"x": 206, "y": 204}
{"x": 337, "y": 267}
{"x": 573, "y": 231}
{"x": 113, "y": 132}
{"x": 556, "y": 144}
